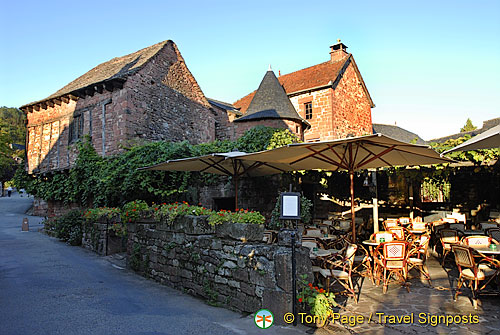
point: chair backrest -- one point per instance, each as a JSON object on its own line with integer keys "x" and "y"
{"x": 388, "y": 236}
{"x": 463, "y": 256}
{"x": 449, "y": 236}
{"x": 487, "y": 225}
{"x": 395, "y": 250}
{"x": 418, "y": 226}
{"x": 404, "y": 220}
{"x": 477, "y": 241}
{"x": 494, "y": 233}
{"x": 459, "y": 217}
{"x": 458, "y": 226}
{"x": 391, "y": 223}
{"x": 350, "y": 252}
{"x": 424, "y": 240}
{"x": 418, "y": 219}
{"x": 313, "y": 232}
{"x": 398, "y": 231}
{"x": 449, "y": 220}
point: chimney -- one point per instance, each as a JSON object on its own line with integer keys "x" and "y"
{"x": 338, "y": 51}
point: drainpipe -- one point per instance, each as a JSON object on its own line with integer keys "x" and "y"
{"x": 103, "y": 134}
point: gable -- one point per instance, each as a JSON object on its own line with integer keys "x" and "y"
{"x": 319, "y": 76}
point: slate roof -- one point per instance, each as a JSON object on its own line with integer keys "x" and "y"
{"x": 397, "y": 133}
{"x": 323, "y": 74}
{"x": 224, "y": 105}
{"x": 270, "y": 102}
{"x": 488, "y": 124}
{"x": 119, "y": 67}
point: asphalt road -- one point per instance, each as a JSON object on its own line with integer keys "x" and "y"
{"x": 48, "y": 287}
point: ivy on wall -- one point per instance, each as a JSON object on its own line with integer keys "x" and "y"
{"x": 116, "y": 180}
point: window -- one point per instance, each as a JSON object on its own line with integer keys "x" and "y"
{"x": 309, "y": 110}
{"x": 76, "y": 128}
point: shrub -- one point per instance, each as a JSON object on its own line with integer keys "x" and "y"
{"x": 68, "y": 227}
{"x": 134, "y": 210}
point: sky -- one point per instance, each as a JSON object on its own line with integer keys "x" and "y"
{"x": 428, "y": 65}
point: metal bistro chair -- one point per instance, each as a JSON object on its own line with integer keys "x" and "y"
{"x": 340, "y": 271}
{"x": 469, "y": 270}
{"x": 391, "y": 259}
{"x": 390, "y": 223}
{"x": 417, "y": 256}
{"x": 399, "y": 232}
{"x": 478, "y": 241}
{"x": 448, "y": 237}
{"x": 494, "y": 233}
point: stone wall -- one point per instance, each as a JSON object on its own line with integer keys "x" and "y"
{"x": 160, "y": 101}
{"x": 228, "y": 264}
{"x": 99, "y": 239}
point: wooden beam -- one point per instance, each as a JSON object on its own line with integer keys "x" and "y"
{"x": 43, "y": 104}
{"x": 50, "y": 103}
{"x": 65, "y": 99}
{"x": 99, "y": 88}
{"x": 57, "y": 101}
{"x": 36, "y": 107}
{"x": 118, "y": 83}
{"x": 73, "y": 97}
{"x": 108, "y": 86}
{"x": 79, "y": 94}
{"x": 90, "y": 91}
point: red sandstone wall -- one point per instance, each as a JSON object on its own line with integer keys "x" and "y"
{"x": 351, "y": 107}
{"x": 145, "y": 108}
{"x": 337, "y": 113}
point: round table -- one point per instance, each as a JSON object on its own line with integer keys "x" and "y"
{"x": 418, "y": 231}
{"x": 487, "y": 250}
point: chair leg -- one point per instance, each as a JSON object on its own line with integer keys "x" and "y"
{"x": 460, "y": 282}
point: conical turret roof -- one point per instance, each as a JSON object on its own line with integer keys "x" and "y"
{"x": 270, "y": 102}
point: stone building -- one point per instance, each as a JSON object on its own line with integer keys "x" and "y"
{"x": 270, "y": 107}
{"x": 148, "y": 95}
{"x": 332, "y": 97}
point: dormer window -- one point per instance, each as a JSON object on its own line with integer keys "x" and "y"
{"x": 309, "y": 110}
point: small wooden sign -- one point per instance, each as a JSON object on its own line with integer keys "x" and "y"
{"x": 25, "y": 226}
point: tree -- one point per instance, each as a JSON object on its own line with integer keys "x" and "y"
{"x": 468, "y": 126}
{"x": 12, "y": 131}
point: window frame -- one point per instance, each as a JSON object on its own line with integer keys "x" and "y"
{"x": 308, "y": 112}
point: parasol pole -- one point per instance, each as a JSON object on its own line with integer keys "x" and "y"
{"x": 235, "y": 192}
{"x": 351, "y": 176}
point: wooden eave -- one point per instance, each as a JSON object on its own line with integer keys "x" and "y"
{"x": 109, "y": 85}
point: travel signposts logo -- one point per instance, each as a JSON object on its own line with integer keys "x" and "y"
{"x": 263, "y": 319}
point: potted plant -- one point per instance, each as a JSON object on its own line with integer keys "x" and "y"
{"x": 315, "y": 302}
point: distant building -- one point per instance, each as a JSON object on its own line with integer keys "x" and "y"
{"x": 397, "y": 133}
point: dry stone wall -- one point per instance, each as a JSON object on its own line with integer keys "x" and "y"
{"x": 227, "y": 265}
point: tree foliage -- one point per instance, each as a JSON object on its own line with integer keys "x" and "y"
{"x": 477, "y": 157}
{"x": 113, "y": 181}
{"x": 12, "y": 131}
{"x": 468, "y": 126}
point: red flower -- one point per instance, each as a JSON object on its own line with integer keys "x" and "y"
{"x": 133, "y": 210}
{"x": 300, "y": 299}
{"x": 156, "y": 208}
{"x": 310, "y": 285}
{"x": 321, "y": 291}
{"x": 129, "y": 220}
{"x": 316, "y": 288}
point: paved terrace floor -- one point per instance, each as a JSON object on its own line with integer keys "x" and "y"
{"x": 431, "y": 301}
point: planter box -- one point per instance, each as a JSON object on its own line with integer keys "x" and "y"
{"x": 244, "y": 232}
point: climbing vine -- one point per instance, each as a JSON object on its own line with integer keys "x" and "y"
{"x": 95, "y": 181}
